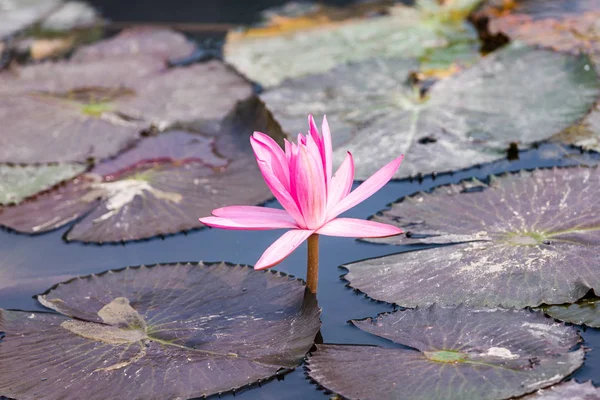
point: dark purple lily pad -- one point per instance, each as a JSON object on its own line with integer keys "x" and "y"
{"x": 167, "y": 331}
{"x": 466, "y": 119}
{"x": 161, "y": 186}
{"x": 532, "y": 238}
{"x": 75, "y": 111}
{"x": 163, "y": 44}
{"x": 584, "y": 312}
{"x": 457, "y": 353}
{"x": 570, "y": 390}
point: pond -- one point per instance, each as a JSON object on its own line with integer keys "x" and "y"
{"x": 30, "y": 263}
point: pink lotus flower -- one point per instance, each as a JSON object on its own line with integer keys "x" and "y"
{"x": 300, "y": 178}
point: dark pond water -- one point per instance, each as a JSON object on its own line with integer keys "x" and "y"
{"x": 31, "y": 264}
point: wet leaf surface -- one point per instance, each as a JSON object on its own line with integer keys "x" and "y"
{"x": 20, "y": 181}
{"x": 163, "y": 44}
{"x": 318, "y": 42}
{"x": 567, "y": 390}
{"x": 167, "y": 331}
{"x": 531, "y": 238}
{"x": 455, "y": 353}
{"x": 75, "y": 111}
{"x": 584, "y": 312}
{"x": 161, "y": 186}
{"x": 466, "y": 119}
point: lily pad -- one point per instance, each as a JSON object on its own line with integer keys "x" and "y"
{"x": 455, "y": 353}
{"x": 163, "y": 44}
{"x": 317, "y": 45}
{"x": 20, "y": 181}
{"x": 167, "y": 331}
{"x": 466, "y": 119}
{"x": 584, "y": 312}
{"x": 567, "y": 390}
{"x": 159, "y": 187}
{"x": 73, "y": 111}
{"x": 525, "y": 239}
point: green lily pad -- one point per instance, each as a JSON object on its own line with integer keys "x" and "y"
{"x": 20, "y": 181}
{"x": 75, "y": 111}
{"x": 466, "y": 119}
{"x": 584, "y": 312}
{"x": 455, "y": 353}
{"x": 525, "y": 239}
{"x": 161, "y": 186}
{"x": 567, "y": 390}
{"x": 167, "y": 331}
{"x": 319, "y": 45}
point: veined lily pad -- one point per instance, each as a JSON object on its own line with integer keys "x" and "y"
{"x": 72, "y": 111}
{"x": 457, "y": 353}
{"x": 466, "y": 119}
{"x": 163, "y": 44}
{"x": 159, "y": 187}
{"x": 20, "y": 181}
{"x": 531, "y": 238}
{"x": 167, "y": 331}
{"x": 320, "y": 46}
{"x": 567, "y": 390}
{"x": 584, "y": 312}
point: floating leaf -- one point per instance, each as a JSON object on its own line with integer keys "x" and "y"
{"x": 163, "y": 44}
{"x": 161, "y": 186}
{"x": 457, "y": 353}
{"x": 463, "y": 120}
{"x": 533, "y": 238}
{"x": 72, "y": 111}
{"x": 167, "y": 331}
{"x": 20, "y": 181}
{"x": 318, "y": 42}
{"x": 567, "y": 390}
{"x": 584, "y": 312}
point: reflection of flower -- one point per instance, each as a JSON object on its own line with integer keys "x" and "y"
{"x": 300, "y": 178}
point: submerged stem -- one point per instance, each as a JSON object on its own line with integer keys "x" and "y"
{"x": 312, "y": 267}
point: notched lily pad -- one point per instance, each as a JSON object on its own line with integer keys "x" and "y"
{"x": 567, "y": 390}
{"x": 525, "y": 239}
{"x": 466, "y": 119}
{"x": 167, "y": 331}
{"x": 159, "y": 187}
{"x": 318, "y": 42}
{"x": 585, "y": 312}
{"x": 456, "y": 353}
{"x": 20, "y": 181}
{"x": 163, "y": 44}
